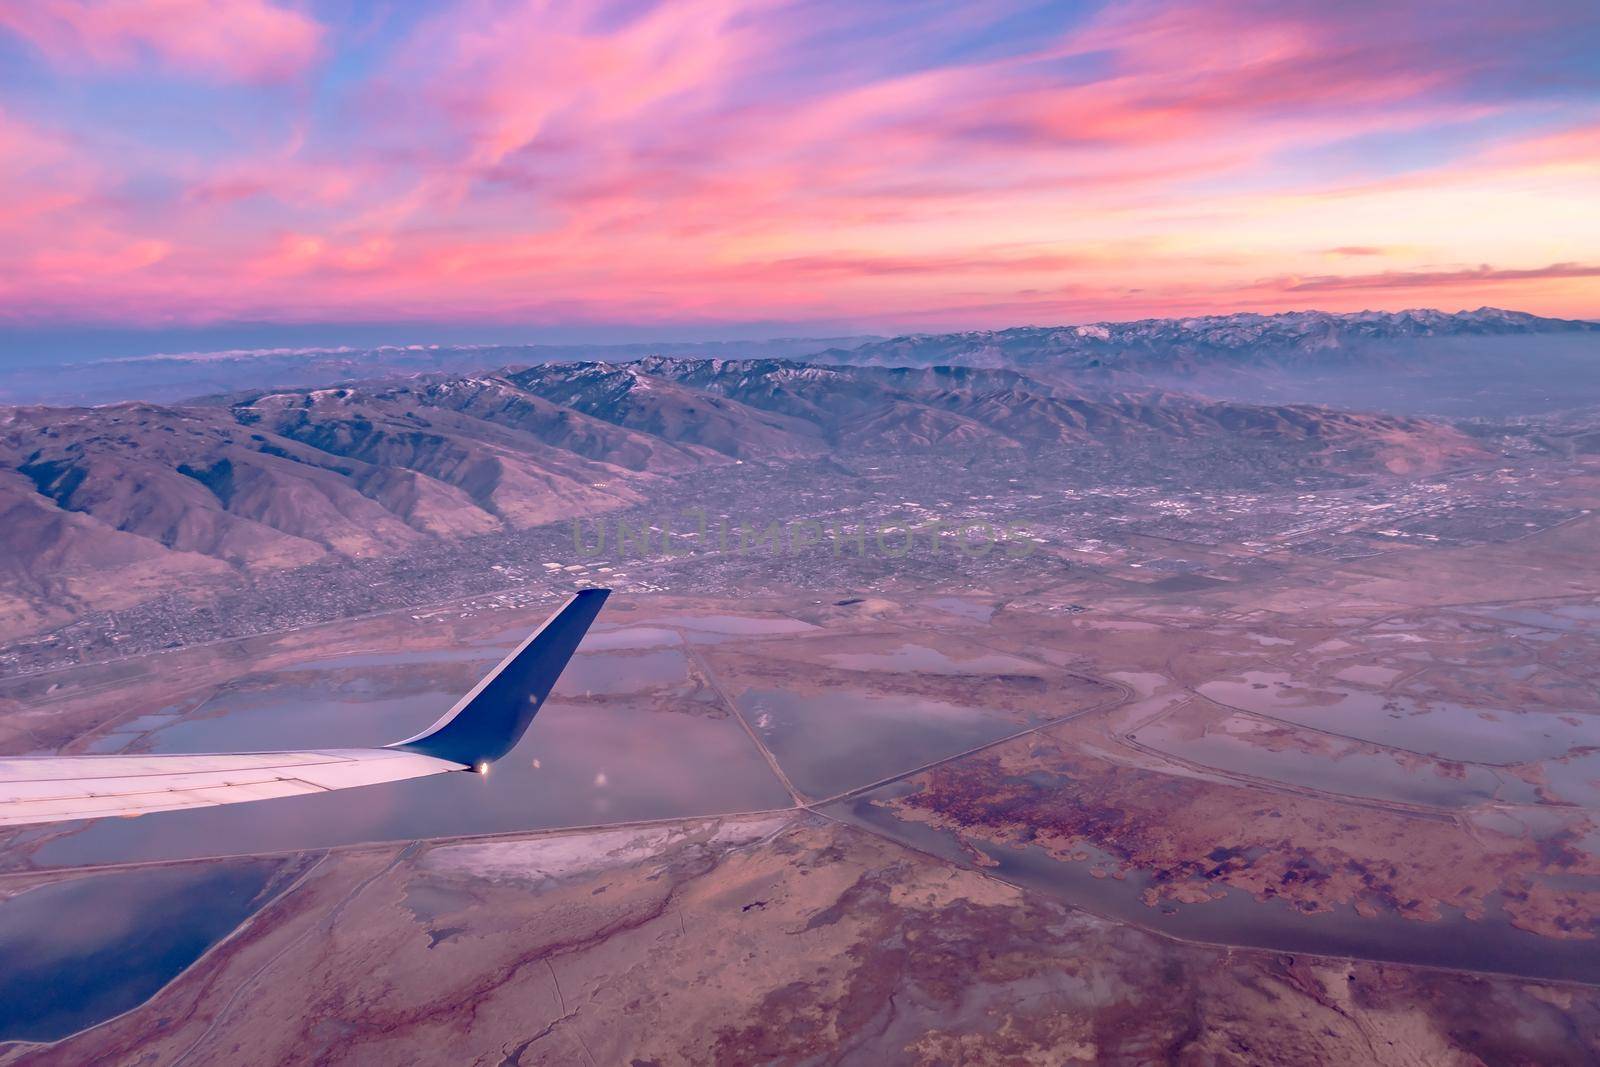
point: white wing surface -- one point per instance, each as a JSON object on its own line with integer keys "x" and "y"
{"x": 49, "y": 789}
{"x": 484, "y": 726}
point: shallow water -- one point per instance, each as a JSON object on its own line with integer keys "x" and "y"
{"x": 1491, "y": 944}
{"x": 1381, "y": 775}
{"x": 599, "y": 640}
{"x": 831, "y": 742}
{"x": 1575, "y": 779}
{"x": 350, "y": 709}
{"x": 622, "y": 672}
{"x": 729, "y": 625}
{"x": 80, "y": 951}
{"x": 1367, "y": 674}
{"x": 1439, "y": 728}
{"x": 1565, "y": 618}
{"x": 967, "y": 609}
{"x": 925, "y": 660}
{"x": 277, "y": 717}
{"x": 107, "y": 744}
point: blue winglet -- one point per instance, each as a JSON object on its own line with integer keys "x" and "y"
{"x": 489, "y": 721}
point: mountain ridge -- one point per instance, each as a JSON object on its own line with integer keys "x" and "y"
{"x": 1098, "y": 349}
{"x": 1139, "y": 343}
{"x": 101, "y": 502}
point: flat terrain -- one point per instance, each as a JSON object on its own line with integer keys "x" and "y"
{"x": 1290, "y": 819}
{"x": 1234, "y": 764}
{"x": 782, "y": 938}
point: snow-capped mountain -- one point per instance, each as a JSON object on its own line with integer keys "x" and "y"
{"x": 1167, "y": 345}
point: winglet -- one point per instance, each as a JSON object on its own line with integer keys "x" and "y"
{"x": 489, "y": 721}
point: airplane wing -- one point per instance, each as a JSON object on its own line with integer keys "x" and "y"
{"x": 485, "y": 725}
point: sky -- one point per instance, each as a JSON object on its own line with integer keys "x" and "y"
{"x": 727, "y": 168}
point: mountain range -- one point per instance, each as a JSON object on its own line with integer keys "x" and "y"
{"x": 1289, "y": 339}
{"x": 1483, "y": 363}
{"x": 103, "y": 505}
{"x": 1296, "y": 356}
{"x": 174, "y": 376}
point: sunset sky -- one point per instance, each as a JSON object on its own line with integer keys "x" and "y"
{"x": 711, "y": 166}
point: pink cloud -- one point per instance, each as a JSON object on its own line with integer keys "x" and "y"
{"x": 225, "y": 40}
{"x": 39, "y": 172}
{"x": 1576, "y": 146}
{"x": 518, "y": 160}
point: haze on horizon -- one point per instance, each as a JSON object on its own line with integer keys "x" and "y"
{"x": 727, "y": 168}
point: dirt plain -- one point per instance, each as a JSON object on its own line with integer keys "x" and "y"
{"x": 1452, "y": 725}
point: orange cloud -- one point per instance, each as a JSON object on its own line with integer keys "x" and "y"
{"x": 1416, "y": 279}
{"x": 751, "y": 159}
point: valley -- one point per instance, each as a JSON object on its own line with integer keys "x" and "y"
{"x": 139, "y": 507}
{"x": 938, "y": 710}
